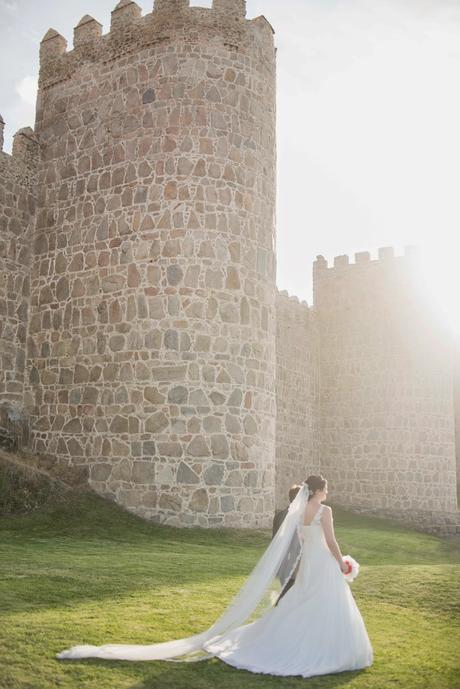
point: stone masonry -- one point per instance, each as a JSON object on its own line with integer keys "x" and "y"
{"x": 297, "y": 394}
{"x": 143, "y": 343}
{"x": 387, "y": 389}
{"x": 152, "y": 314}
{"x": 18, "y": 198}
{"x": 457, "y": 417}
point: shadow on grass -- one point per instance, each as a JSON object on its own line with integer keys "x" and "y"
{"x": 54, "y": 584}
{"x": 215, "y": 673}
{"x": 212, "y": 673}
{"x": 88, "y": 516}
{"x": 90, "y": 549}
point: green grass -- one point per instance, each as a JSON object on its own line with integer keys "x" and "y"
{"x": 23, "y": 489}
{"x": 88, "y": 572}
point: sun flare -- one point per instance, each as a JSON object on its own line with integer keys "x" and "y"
{"x": 439, "y": 279}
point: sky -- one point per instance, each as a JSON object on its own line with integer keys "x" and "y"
{"x": 368, "y": 135}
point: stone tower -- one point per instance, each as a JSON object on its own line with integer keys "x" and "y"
{"x": 151, "y": 348}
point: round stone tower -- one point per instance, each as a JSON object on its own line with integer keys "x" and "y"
{"x": 151, "y": 351}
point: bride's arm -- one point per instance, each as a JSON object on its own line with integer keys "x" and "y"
{"x": 328, "y": 525}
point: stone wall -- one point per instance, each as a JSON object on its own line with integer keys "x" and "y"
{"x": 152, "y": 325}
{"x": 436, "y": 522}
{"x": 297, "y": 395}
{"x": 387, "y": 417}
{"x": 18, "y": 192}
{"x": 457, "y": 419}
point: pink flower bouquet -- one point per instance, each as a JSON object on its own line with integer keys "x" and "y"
{"x": 353, "y": 568}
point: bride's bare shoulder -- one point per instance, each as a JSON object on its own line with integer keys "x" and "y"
{"x": 326, "y": 511}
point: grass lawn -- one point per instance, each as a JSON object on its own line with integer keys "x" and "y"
{"x": 88, "y": 572}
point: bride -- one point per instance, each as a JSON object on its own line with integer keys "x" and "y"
{"x": 312, "y": 628}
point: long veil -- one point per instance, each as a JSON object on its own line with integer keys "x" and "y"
{"x": 266, "y": 581}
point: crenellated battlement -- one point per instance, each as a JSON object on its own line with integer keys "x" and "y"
{"x": 236, "y": 8}
{"x": 87, "y": 32}
{"x": 130, "y": 31}
{"x": 344, "y": 277}
{"x": 290, "y": 309}
{"x": 125, "y": 15}
{"x": 291, "y": 297}
{"x": 25, "y": 144}
{"x": 22, "y": 164}
{"x": 384, "y": 256}
{"x": 171, "y": 5}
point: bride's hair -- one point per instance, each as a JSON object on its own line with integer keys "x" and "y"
{"x": 315, "y": 482}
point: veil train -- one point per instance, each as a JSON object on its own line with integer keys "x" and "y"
{"x": 250, "y": 603}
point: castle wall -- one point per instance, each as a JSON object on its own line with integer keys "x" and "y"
{"x": 297, "y": 395}
{"x": 152, "y": 326}
{"x": 457, "y": 418}
{"x": 387, "y": 417}
{"x": 18, "y": 195}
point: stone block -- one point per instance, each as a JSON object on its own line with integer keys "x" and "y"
{"x": 170, "y": 502}
{"x": 198, "y": 447}
{"x": 213, "y": 475}
{"x": 156, "y": 423}
{"x": 143, "y": 472}
{"x": 100, "y": 472}
{"x": 186, "y": 475}
{"x": 199, "y": 501}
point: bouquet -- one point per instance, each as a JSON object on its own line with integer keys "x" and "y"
{"x": 353, "y": 568}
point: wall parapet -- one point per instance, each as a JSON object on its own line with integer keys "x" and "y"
{"x": 290, "y": 307}
{"x": 22, "y": 165}
{"x": 125, "y": 15}
{"x": 384, "y": 254}
{"x": 292, "y": 297}
{"x": 130, "y": 31}
{"x": 363, "y": 266}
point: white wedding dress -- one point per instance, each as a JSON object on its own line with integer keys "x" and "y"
{"x": 315, "y": 629}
